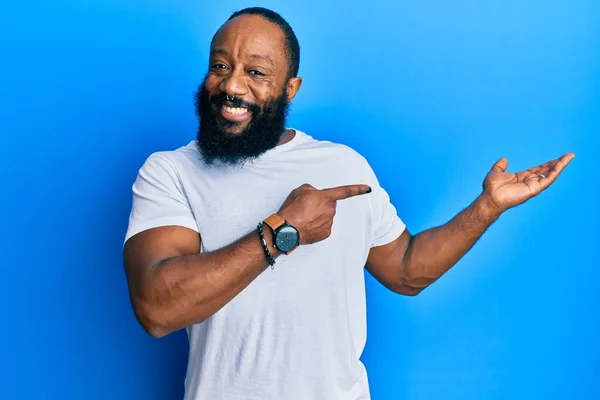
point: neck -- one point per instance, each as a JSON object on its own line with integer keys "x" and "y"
{"x": 286, "y": 136}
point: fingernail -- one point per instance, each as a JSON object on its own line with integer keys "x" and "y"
{"x": 368, "y": 189}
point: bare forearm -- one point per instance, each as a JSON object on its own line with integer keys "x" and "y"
{"x": 184, "y": 290}
{"x": 433, "y": 252}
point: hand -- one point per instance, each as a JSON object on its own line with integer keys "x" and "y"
{"x": 504, "y": 190}
{"x": 311, "y": 210}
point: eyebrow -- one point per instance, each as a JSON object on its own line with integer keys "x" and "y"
{"x": 257, "y": 56}
{"x": 262, "y": 57}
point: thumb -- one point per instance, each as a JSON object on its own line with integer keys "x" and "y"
{"x": 500, "y": 165}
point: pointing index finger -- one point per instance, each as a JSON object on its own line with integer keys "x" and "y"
{"x": 344, "y": 192}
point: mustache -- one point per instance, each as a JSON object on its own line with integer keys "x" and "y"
{"x": 221, "y": 98}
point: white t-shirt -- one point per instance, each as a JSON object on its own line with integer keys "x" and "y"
{"x": 298, "y": 330}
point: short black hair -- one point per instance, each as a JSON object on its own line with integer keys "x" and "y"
{"x": 292, "y": 47}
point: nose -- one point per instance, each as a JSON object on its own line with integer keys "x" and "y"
{"x": 234, "y": 85}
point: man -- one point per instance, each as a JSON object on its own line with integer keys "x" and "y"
{"x": 254, "y": 237}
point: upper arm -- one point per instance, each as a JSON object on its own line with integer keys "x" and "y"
{"x": 161, "y": 222}
{"x": 389, "y": 240}
{"x": 148, "y": 248}
{"x": 385, "y": 263}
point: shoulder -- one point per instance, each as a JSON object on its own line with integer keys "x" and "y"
{"x": 338, "y": 156}
{"x": 339, "y": 152}
{"x": 173, "y": 161}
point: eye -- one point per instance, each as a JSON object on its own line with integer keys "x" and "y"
{"x": 219, "y": 66}
{"x": 256, "y": 72}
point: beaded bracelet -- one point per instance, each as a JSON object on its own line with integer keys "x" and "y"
{"x": 265, "y": 246}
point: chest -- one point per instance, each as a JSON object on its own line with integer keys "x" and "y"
{"x": 229, "y": 206}
{"x": 314, "y": 280}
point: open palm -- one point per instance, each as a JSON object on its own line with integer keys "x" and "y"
{"x": 507, "y": 189}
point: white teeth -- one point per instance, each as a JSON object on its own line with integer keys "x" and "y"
{"x": 235, "y": 110}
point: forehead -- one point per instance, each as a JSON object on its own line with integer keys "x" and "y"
{"x": 251, "y": 35}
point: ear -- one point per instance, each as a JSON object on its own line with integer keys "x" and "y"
{"x": 293, "y": 86}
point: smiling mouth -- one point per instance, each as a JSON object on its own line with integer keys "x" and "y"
{"x": 235, "y": 114}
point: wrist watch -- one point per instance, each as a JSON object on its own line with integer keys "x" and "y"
{"x": 285, "y": 237}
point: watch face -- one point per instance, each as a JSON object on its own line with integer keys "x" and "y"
{"x": 287, "y": 238}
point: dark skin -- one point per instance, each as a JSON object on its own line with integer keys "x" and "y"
{"x": 172, "y": 285}
{"x": 428, "y": 255}
{"x": 248, "y": 60}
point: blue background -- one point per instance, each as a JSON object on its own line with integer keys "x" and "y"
{"x": 431, "y": 92}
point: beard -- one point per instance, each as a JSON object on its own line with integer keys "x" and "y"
{"x": 263, "y": 132}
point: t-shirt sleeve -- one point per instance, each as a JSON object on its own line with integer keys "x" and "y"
{"x": 386, "y": 223}
{"x": 158, "y": 198}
